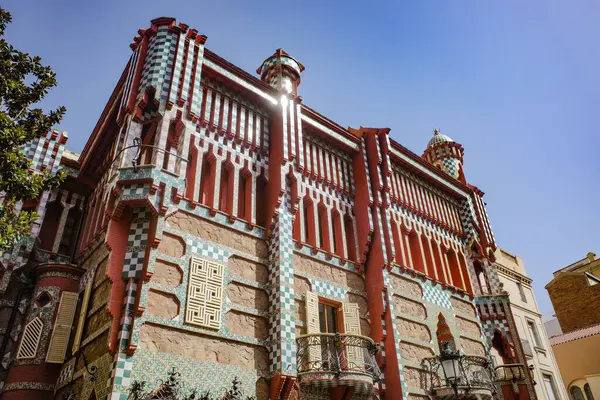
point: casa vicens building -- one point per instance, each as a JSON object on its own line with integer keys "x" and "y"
{"x": 217, "y": 226}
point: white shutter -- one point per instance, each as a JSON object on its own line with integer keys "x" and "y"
{"x": 31, "y": 338}
{"x": 312, "y": 324}
{"x": 62, "y": 328}
{"x": 352, "y": 327}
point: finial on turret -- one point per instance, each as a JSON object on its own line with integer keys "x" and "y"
{"x": 282, "y": 72}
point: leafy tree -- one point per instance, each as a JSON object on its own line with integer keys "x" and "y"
{"x": 24, "y": 81}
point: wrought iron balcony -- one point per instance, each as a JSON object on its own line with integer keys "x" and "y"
{"x": 471, "y": 378}
{"x": 335, "y": 359}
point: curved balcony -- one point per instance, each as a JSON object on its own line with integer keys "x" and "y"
{"x": 473, "y": 379}
{"x": 335, "y": 359}
{"x": 510, "y": 372}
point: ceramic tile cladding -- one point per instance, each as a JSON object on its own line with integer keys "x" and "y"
{"x": 246, "y": 200}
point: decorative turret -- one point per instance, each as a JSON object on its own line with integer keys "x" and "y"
{"x": 445, "y": 154}
{"x": 281, "y": 72}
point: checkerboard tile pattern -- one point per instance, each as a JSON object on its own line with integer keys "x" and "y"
{"x": 327, "y": 289}
{"x": 132, "y": 269}
{"x": 282, "y": 332}
{"x": 158, "y": 64}
{"x": 436, "y": 295}
{"x": 136, "y": 244}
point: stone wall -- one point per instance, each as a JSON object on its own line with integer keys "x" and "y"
{"x": 413, "y": 330}
{"x": 463, "y": 306}
{"x": 167, "y": 274}
{"x": 172, "y": 246}
{"x": 472, "y": 347}
{"x": 248, "y": 269}
{"x": 415, "y": 378}
{"x": 200, "y": 347}
{"x": 216, "y": 233}
{"x": 164, "y": 305}
{"x": 328, "y": 272}
{"x": 469, "y": 327}
{"x": 247, "y": 325}
{"x": 575, "y": 302}
{"x": 406, "y": 286}
{"x": 248, "y": 296}
{"x": 410, "y": 307}
{"x": 413, "y": 352}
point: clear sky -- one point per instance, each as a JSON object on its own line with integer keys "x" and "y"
{"x": 517, "y": 83}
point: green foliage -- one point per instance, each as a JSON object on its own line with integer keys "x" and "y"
{"x": 20, "y": 124}
{"x": 170, "y": 389}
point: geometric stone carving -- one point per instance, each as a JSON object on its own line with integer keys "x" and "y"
{"x": 205, "y": 293}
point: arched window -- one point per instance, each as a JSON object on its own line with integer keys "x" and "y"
{"x": 206, "y": 174}
{"x": 309, "y": 218}
{"x": 224, "y": 188}
{"x": 243, "y": 191}
{"x": 481, "y": 278}
{"x": 50, "y": 224}
{"x": 588, "y": 391}
{"x": 415, "y": 252}
{"x": 576, "y": 393}
{"x": 349, "y": 232}
{"x": 261, "y": 201}
{"x": 338, "y": 244}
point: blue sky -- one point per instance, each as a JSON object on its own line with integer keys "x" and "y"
{"x": 517, "y": 83}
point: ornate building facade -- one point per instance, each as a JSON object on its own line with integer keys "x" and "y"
{"x": 216, "y": 224}
{"x": 528, "y": 320}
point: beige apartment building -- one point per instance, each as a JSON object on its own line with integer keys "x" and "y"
{"x": 528, "y": 319}
{"x": 575, "y": 332}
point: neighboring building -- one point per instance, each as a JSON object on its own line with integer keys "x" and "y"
{"x": 528, "y": 319}
{"x": 216, "y": 224}
{"x": 575, "y": 295}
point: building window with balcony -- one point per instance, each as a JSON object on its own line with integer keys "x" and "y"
{"x": 328, "y": 317}
{"x": 549, "y": 387}
{"x": 333, "y": 344}
{"x": 535, "y": 339}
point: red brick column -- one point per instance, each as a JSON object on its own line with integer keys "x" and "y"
{"x": 34, "y": 379}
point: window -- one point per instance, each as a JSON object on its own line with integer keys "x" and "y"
{"x": 535, "y": 339}
{"x": 549, "y": 386}
{"x": 576, "y": 393}
{"x": 328, "y": 318}
{"x": 588, "y": 391}
{"x": 522, "y": 292}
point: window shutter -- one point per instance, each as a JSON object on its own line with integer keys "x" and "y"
{"x": 352, "y": 327}
{"x": 62, "y": 328}
{"x": 312, "y": 325}
{"x": 82, "y": 315}
{"x": 31, "y": 338}
{"x": 205, "y": 294}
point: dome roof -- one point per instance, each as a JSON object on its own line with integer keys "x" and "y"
{"x": 438, "y": 138}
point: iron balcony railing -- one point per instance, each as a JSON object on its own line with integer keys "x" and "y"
{"x": 337, "y": 354}
{"x": 475, "y": 375}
